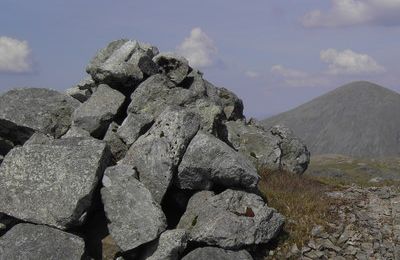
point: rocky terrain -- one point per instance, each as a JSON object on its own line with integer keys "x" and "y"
{"x": 367, "y": 227}
{"x": 359, "y": 119}
{"x": 143, "y": 159}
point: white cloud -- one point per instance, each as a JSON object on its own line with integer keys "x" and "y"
{"x": 355, "y": 12}
{"x": 297, "y": 78}
{"x": 251, "y": 74}
{"x": 349, "y": 62}
{"x": 14, "y": 55}
{"x": 198, "y": 48}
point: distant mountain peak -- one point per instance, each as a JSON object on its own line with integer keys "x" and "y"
{"x": 357, "y": 119}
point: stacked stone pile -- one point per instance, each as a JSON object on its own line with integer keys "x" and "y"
{"x": 167, "y": 158}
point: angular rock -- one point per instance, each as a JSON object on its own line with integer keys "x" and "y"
{"x": 29, "y": 110}
{"x": 156, "y": 93}
{"x": 157, "y": 154}
{"x": 117, "y": 147}
{"x": 211, "y": 115}
{"x": 214, "y": 253}
{"x": 135, "y": 218}
{"x": 79, "y": 94}
{"x": 28, "y": 241}
{"x": 268, "y": 149}
{"x": 232, "y": 105}
{"x": 134, "y": 126}
{"x": 39, "y": 138}
{"x": 53, "y": 183}
{"x": 231, "y": 219}
{"x": 209, "y": 162}
{"x": 98, "y": 112}
{"x": 172, "y": 65}
{"x": 123, "y": 63}
{"x": 87, "y": 83}
{"x": 295, "y": 155}
{"x": 169, "y": 246}
{"x": 75, "y": 131}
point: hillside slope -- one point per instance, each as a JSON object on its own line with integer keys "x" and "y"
{"x": 359, "y": 119}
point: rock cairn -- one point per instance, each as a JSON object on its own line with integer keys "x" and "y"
{"x": 167, "y": 158}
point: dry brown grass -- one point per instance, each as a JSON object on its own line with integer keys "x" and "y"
{"x": 301, "y": 200}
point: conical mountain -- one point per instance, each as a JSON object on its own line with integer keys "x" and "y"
{"x": 360, "y": 119}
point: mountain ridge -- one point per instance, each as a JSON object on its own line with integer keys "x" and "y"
{"x": 357, "y": 119}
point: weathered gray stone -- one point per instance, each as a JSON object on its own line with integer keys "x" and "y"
{"x": 135, "y": 218}
{"x": 169, "y": 246}
{"x": 214, "y": 253}
{"x": 232, "y": 105}
{"x": 134, "y": 126}
{"x": 211, "y": 115}
{"x": 117, "y": 147}
{"x": 79, "y": 94}
{"x": 295, "y": 155}
{"x": 87, "y": 83}
{"x": 28, "y": 241}
{"x": 98, "y": 112}
{"x": 231, "y": 219}
{"x": 75, "y": 131}
{"x": 123, "y": 62}
{"x": 25, "y": 111}
{"x": 157, "y": 153}
{"x": 39, "y": 138}
{"x": 209, "y": 162}
{"x": 158, "y": 92}
{"x": 268, "y": 149}
{"x": 254, "y": 142}
{"x": 172, "y": 65}
{"x": 53, "y": 183}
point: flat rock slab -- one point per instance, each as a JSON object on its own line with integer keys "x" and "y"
{"x": 99, "y": 110}
{"x": 29, "y": 110}
{"x": 28, "y": 241}
{"x": 209, "y": 162}
{"x": 156, "y": 154}
{"x": 135, "y": 218}
{"x": 214, "y": 253}
{"x": 53, "y": 183}
{"x": 230, "y": 220}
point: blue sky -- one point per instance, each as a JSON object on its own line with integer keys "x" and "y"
{"x": 274, "y": 54}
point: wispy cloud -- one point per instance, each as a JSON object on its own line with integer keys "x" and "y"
{"x": 198, "y": 48}
{"x": 349, "y": 62}
{"x": 355, "y": 12}
{"x": 297, "y": 78}
{"x": 14, "y": 55}
{"x": 251, "y": 74}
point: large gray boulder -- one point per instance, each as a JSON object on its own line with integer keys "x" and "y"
{"x": 295, "y": 155}
{"x": 172, "y": 65}
{"x": 231, "y": 220}
{"x": 29, "y": 110}
{"x": 156, "y": 154}
{"x": 209, "y": 163}
{"x": 275, "y": 149}
{"x": 134, "y": 126}
{"x": 169, "y": 246}
{"x": 79, "y": 94}
{"x": 156, "y": 93}
{"x": 214, "y": 253}
{"x": 52, "y": 183}
{"x": 123, "y": 63}
{"x": 232, "y": 105}
{"x": 135, "y": 218}
{"x": 28, "y": 241}
{"x": 117, "y": 146}
{"x": 98, "y": 112}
